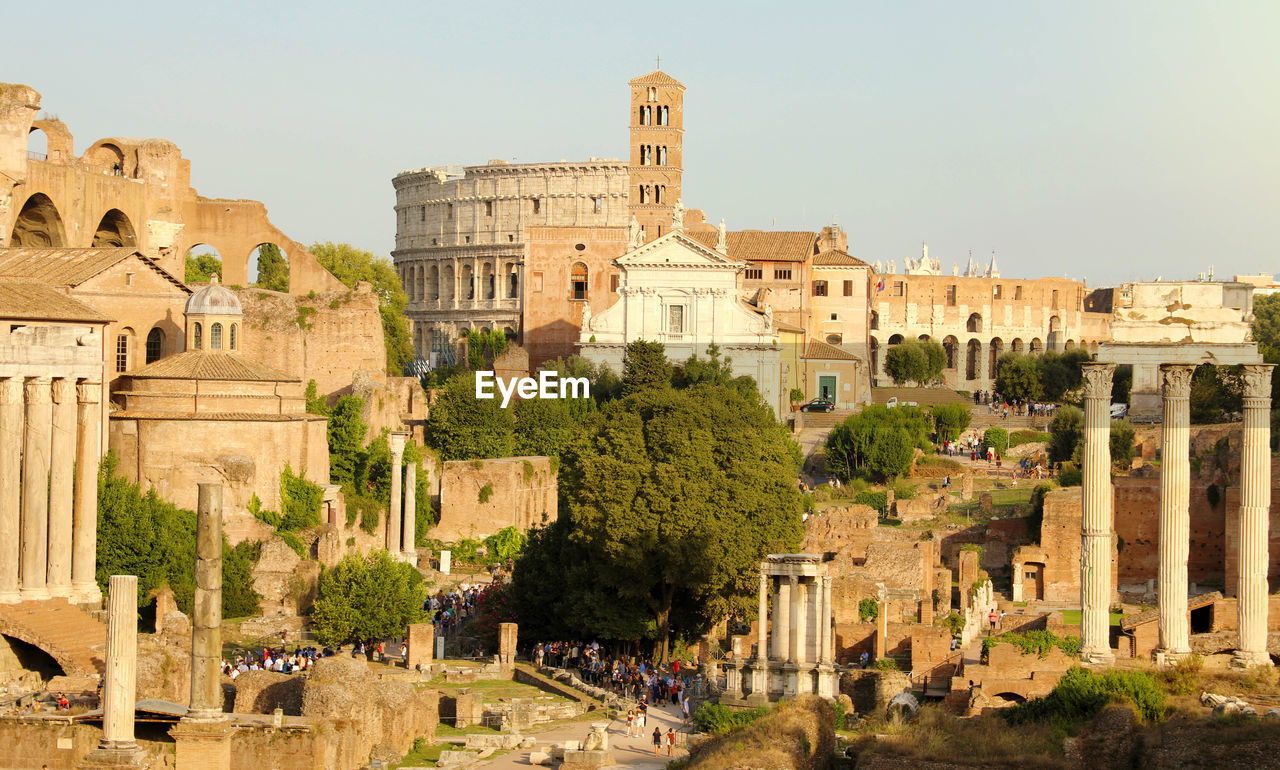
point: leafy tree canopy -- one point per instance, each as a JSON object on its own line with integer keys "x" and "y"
{"x": 273, "y": 270}
{"x": 351, "y": 265}
{"x": 463, "y": 427}
{"x": 200, "y": 268}
{"x": 854, "y": 447}
{"x": 919, "y": 361}
{"x": 1018, "y": 377}
{"x": 367, "y": 598}
{"x": 644, "y": 366}
{"x": 951, "y": 420}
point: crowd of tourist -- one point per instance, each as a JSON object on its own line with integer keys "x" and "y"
{"x": 279, "y": 660}
{"x": 450, "y": 610}
{"x": 631, "y": 677}
{"x": 996, "y": 404}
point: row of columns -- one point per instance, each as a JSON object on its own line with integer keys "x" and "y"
{"x": 49, "y": 441}
{"x": 792, "y": 632}
{"x": 1175, "y": 516}
{"x": 420, "y": 290}
{"x": 402, "y": 517}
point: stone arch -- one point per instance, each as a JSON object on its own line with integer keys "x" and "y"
{"x": 468, "y": 283}
{"x": 198, "y": 252}
{"x": 1012, "y": 696}
{"x": 924, "y": 338}
{"x": 115, "y": 230}
{"x": 951, "y": 346}
{"x": 1055, "y": 332}
{"x": 448, "y": 283}
{"x": 107, "y": 156}
{"x": 1036, "y": 347}
{"x": 35, "y": 655}
{"x": 974, "y": 324}
{"x": 433, "y": 282}
{"x": 1069, "y": 345}
{"x": 155, "y": 345}
{"x": 488, "y": 282}
{"x": 1016, "y": 345}
{"x": 509, "y": 333}
{"x": 38, "y": 225}
{"x": 972, "y": 352}
{"x": 37, "y": 144}
{"x": 268, "y": 251}
{"x": 997, "y": 350}
{"x": 513, "y": 281}
{"x": 895, "y": 340}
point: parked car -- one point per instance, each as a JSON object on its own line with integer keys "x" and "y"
{"x": 894, "y": 402}
{"x": 818, "y": 405}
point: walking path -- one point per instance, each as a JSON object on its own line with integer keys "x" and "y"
{"x": 632, "y": 752}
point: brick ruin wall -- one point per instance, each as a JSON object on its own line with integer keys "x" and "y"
{"x": 521, "y": 493}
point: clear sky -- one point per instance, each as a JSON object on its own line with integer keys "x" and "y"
{"x": 1100, "y": 140}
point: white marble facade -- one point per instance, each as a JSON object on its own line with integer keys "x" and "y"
{"x": 676, "y": 291}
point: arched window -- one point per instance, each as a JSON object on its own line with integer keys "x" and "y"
{"x": 234, "y": 334}
{"x": 198, "y": 337}
{"x": 155, "y": 345}
{"x": 657, "y": 193}
{"x": 215, "y": 337}
{"x": 665, "y": 116}
{"x": 644, "y": 194}
{"x": 875, "y": 320}
{"x": 662, "y": 155}
{"x": 578, "y": 281}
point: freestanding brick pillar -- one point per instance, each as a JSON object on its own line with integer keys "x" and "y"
{"x": 1255, "y": 510}
{"x": 203, "y": 735}
{"x": 421, "y": 645}
{"x": 1175, "y": 511}
{"x": 395, "y": 515}
{"x": 507, "y": 634}
{"x": 1095, "y": 583}
{"x": 118, "y": 747}
{"x": 409, "y": 530}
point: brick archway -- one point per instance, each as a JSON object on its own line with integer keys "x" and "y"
{"x": 75, "y": 641}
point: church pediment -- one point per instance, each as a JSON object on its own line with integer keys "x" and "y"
{"x": 675, "y": 249}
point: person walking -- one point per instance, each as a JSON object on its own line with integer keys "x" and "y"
{"x": 657, "y": 741}
{"x": 671, "y": 741}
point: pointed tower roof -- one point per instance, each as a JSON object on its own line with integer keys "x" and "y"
{"x": 993, "y": 271}
{"x": 656, "y": 78}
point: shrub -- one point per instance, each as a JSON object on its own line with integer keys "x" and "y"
{"x": 1121, "y": 442}
{"x": 505, "y": 544}
{"x": 1038, "y": 642}
{"x": 952, "y": 621}
{"x": 1070, "y": 475}
{"x": 1081, "y": 694}
{"x": 486, "y": 492}
{"x": 714, "y": 719}
{"x": 300, "y": 501}
{"x": 903, "y": 490}
{"x": 997, "y": 439}
{"x": 1024, "y": 436}
{"x": 886, "y": 664}
{"x": 294, "y": 542}
{"x": 362, "y": 599}
{"x": 1066, "y": 431}
{"x": 1183, "y": 678}
{"x": 868, "y": 610}
{"x": 950, "y": 420}
{"x": 877, "y": 500}
{"x": 796, "y": 395}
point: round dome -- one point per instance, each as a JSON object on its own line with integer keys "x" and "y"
{"x": 214, "y": 299}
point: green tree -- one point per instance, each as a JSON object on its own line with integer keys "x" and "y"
{"x": 200, "y": 268}
{"x": 1067, "y": 432}
{"x": 367, "y": 598}
{"x": 950, "y": 420}
{"x": 351, "y": 265}
{"x": 906, "y": 363}
{"x": 997, "y": 439}
{"x": 644, "y": 366}
{"x": 547, "y": 426}
{"x": 1121, "y": 442}
{"x": 669, "y": 501}
{"x": 1266, "y": 320}
{"x": 346, "y": 432}
{"x": 891, "y": 452}
{"x": 1018, "y": 377}
{"x": 852, "y": 446}
{"x": 463, "y": 427}
{"x": 273, "y": 270}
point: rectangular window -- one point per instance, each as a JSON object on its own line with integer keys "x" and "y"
{"x": 754, "y": 272}
{"x": 595, "y": 205}
{"x": 1017, "y": 292}
{"x": 782, "y": 274}
{"x": 675, "y": 319}
{"x": 537, "y": 281}
{"x": 819, "y": 288}
{"x": 835, "y": 317}
{"x": 848, "y": 288}
{"x": 537, "y": 205}
{"x": 898, "y": 289}
{"x": 122, "y": 353}
{"x": 613, "y": 282}
{"x": 999, "y": 291}
{"x": 450, "y": 205}
{"x": 422, "y": 214}
{"x": 951, "y": 295}
{"x": 1055, "y": 299}
{"x": 488, "y": 208}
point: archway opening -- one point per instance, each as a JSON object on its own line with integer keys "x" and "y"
{"x": 974, "y": 351}
{"x": 107, "y": 157}
{"x": 34, "y": 667}
{"x": 875, "y": 358}
{"x": 39, "y": 225}
{"x": 115, "y": 230}
{"x": 997, "y": 350}
{"x": 203, "y": 261}
{"x": 37, "y": 145}
{"x": 1016, "y": 346}
{"x": 951, "y": 346}
{"x": 895, "y": 340}
{"x": 974, "y": 324}
{"x": 155, "y": 345}
{"x": 1037, "y": 347}
{"x": 269, "y": 268}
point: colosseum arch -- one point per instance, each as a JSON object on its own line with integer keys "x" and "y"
{"x": 38, "y": 225}
{"x": 924, "y": 338}
{"x": 201, "y": 253}
{"x": 1036, "y": 347}
{"x": 1055, "y": 333}
{"x": 951, "y": 346}
{"x": 1016, "y": 345}
{"x": 448, "y": 283}
{"x": 895, "y": 340}
{"x": 487, "y": 283}
{"x": 513, "y": 281}
{"x": 115, "y": 229}
{"x": 973, "y": 352}
{"x": 997, "y": 350}
{"x": 277, "y": 278}
{"x": 974, "y": 324}
{"x": 468, "y": 283}
{"x": 432, "y": 289}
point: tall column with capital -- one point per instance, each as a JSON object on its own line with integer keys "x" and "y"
{"x": 1255, "y": 510}
{"x": 61, "y": 485}
{"x": 409, "y": 529}
{"x": 794, "y": 620}
{"x": 760, "y": 667}
{"x": 1095, "y": 564}
{"x": 35, "y": 488}
{"x": 1175, "y": 510}
{"x": 782, "y": 620}
{"x": 395, "y": 515}
{"x": 84, "y": 534}
{"x": 11, "y": 417}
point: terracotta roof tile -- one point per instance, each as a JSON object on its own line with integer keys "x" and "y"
{"x": 210, "y": 365}
{"x": 25, "y": 300}
{"x": 655, "y": 78}
{"x": 822, "y": 350}
{"x": 762, "y": 245}
{"x": 71, "y": 267}
{"x": 837, "y": 258}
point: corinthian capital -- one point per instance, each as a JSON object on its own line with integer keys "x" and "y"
{"x": 1257, "y": 380}
{"x": 1097, "y": 379}
{"x": 1175, "y": 380}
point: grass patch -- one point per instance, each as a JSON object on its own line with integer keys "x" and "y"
{"x": 1038, "y": 642}
{"x": 937, "y": 735}
{"x": 1072, "y": 618}
{"x": 1025, "y": 436}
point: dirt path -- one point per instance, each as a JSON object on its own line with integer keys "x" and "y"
{"x": 634, "y": 752}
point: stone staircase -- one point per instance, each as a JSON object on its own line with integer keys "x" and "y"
{"x": 71, "y": 636}
{"x": 822, "y": 420}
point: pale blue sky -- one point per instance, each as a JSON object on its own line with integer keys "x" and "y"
{"x": 1107, "y": 140}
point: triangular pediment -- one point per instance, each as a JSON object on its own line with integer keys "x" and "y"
{"x": 675, "y": 249}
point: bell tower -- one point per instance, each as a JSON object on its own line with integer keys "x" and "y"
{"x": 657, "y": 135}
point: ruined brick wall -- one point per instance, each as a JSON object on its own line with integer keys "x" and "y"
{"x": 521, "y": 492}
{"x": 845, "y": 532}
{"x": 61, "y": 744}
{"x": 1232, "y": 535}
{"x": 1137, "y": 518}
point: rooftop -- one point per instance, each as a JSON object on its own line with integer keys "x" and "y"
{"x": 28, "y": 300}
{"x": 71, "y": 267}
{"x": 210, "y": 365}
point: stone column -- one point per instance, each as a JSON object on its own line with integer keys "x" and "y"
{"x": 1255, "y": 510}
{"x": 35, "y": 489}
{"x": 395, "y": 514}
{"x": 1175, "y": 510}
{"x": 206, "y": 618}
{"x": 762, "y": 626}
{"x": 61, "y": 485}
{"x": 1095, "y": 565}
{"x": 408, "y": 531}
{"x": 779, "y": 622}
{"x": 819, "y": 608}
{"x": 782, "y": 619}
{"x": 11, "y": 418}
{"x": 828, "y": 632}
{"x": 84, "y": 535}
{"x": 118, "y": 747}
{"x": 801, "y": 630}
{"x": 794, "y": 653}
